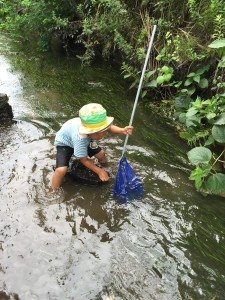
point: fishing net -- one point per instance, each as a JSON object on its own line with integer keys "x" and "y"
{"x": 127, "y": 185}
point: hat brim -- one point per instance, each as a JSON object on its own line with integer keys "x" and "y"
{"x": 86, "y": 130}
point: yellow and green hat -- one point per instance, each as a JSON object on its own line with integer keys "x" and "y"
{"x": 93, "y": 118}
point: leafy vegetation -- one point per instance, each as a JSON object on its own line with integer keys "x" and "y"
{"x": 185, "y": 71}
{"x": 204, "y": 125}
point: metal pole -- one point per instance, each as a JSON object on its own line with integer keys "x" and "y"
{"x": 140, "y": 83}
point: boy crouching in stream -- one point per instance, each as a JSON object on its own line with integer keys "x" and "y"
{"x": 76, "y": 137}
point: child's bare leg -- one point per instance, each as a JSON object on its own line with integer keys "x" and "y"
{"x": 58, "y": 176}
{"x": 102, "y": 158}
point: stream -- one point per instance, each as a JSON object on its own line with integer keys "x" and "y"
{"x": 80, "y": 243}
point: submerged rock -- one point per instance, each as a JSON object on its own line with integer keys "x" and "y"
{"x": 5, "y": 109}
{"x": 82, "y": 174}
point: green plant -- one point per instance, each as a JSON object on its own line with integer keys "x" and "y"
{"x": 204, "y": 122}
{"x": 164, "y": 74}
{"x": 152, "y": 78}
{"x": 207, "y": 175}
{"x": 195, "y": 80}
{"x": 104, "y": 27}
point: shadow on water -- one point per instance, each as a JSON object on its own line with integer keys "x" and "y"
{"x": 80, "y": 243}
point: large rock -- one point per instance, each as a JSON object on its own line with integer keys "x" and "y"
{"x": 82, "y": 174}
{"x": 5, "y": 109}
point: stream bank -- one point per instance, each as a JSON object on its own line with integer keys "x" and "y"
{"x": 81, "y": 243}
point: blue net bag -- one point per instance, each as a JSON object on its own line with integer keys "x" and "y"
{"x": 127, "y": 185}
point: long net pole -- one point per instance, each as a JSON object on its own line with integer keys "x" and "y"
{"x": 140, "y": 83}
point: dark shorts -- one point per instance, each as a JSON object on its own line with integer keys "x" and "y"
{"x": 64, "y": 154}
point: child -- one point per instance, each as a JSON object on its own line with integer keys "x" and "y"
{"x": 76, "y": 137}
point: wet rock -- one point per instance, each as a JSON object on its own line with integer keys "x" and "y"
{"x": 6, "y": 296}
{"x": 79, "y": 172}
{"x": 3, "y": 296}
{"x": 5, "y": 109}
{"x": 3, "y": 100}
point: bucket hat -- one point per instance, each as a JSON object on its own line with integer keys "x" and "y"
{"x": 93, "y": 118}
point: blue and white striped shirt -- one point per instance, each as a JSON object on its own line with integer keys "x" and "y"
{"x": 69, "y": 135}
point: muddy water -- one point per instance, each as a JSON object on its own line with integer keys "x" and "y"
{"x": 81, "y": 243}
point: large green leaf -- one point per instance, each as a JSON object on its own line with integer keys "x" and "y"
{"x": 210, "y": 115}
{"x": 182, "y": 118}
{"x": 220, "y": 120}
{"x": 192, "y": 74}
{"x": 203, "y": 83}
{"x": 193, "y": 121}
{"x": 202, "y": 70}
{"x": 182, "y": 102}
{"x": 199, "y": 155}
{"x": 165, "y": 69}
{"x": 215, "y": 183}
{"x": 167, "y": 77}
{"x": 160, "y": 79}
{"x": 149, "y": 74}
{"x": 191, "y": 112}
{"x": 188, "y": 82}
{"x": 196, "y": 78}
{"x": 199, "y": 174}
{"x": 218, "y": 133}
{"x": 191, "y": 90}
{"x": 217, "y": 44}
{"x": 152, "y": 83}
{"x": 209, "y": 141}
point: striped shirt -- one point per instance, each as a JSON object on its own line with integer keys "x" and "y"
{"x": 69, "y": 135}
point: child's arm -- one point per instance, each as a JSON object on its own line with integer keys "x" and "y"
{"x": 102, "y": 174}
{"x": 119, "y": 130}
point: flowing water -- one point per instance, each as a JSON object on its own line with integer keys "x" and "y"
{"x": 80, "y": 243}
